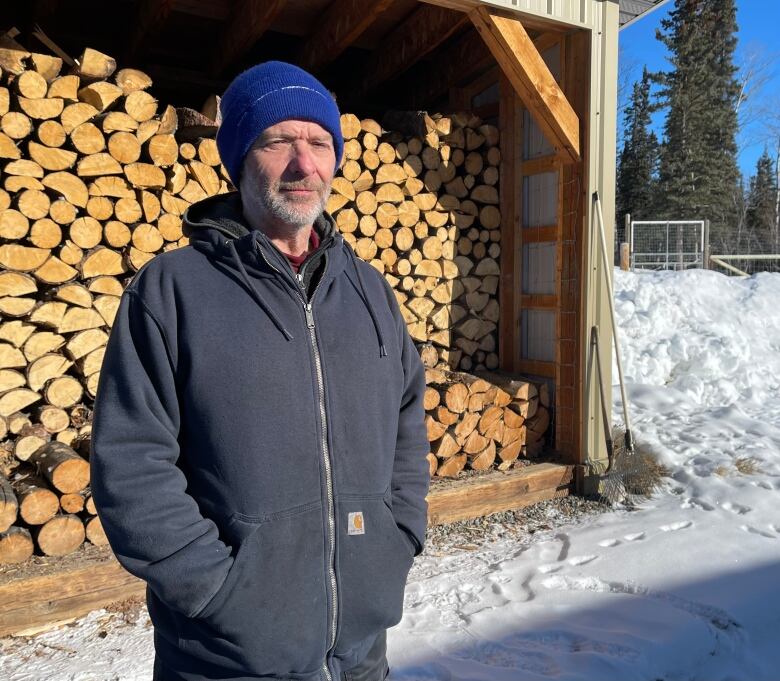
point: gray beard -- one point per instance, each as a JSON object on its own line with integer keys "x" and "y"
{"x": 291, "y": 212}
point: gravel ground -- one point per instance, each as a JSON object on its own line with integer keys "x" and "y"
{"x": 522, "y": 524}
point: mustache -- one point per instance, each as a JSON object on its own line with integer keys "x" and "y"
{"x": 300, "y": 184}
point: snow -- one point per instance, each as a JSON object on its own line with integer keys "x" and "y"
{"x": 683, "y": 588}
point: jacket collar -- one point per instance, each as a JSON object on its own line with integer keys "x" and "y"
{"x": 216, "y": 227}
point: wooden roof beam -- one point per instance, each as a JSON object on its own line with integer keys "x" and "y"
{"x": 339, "y": 27}
{"x": 466, "y": 59}
{"x": 522, "y": 64}
{"x": 150, "y": 18}
{"x": 251, "y": 19}
{"x": 427, "y": 28}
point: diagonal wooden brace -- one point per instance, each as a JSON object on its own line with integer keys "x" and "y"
{"x": 520, "y": 60}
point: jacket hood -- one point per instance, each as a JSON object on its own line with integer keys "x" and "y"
{"x": 216, "y": 227}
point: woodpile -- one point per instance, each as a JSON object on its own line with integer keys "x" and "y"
{"x": 95, "y": 175}
{"x": 94, "y": 180}
{"x": 420, "y": 203}
{"x": 482, "y": 421}
{"x": 46, "y": 503}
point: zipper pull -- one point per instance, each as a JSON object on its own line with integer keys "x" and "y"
{"x": 309, "y": 315}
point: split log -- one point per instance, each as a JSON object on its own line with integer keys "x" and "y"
{"x": 61, "y": 466}
{"x": 37, "y": 503}
{"x": 16, "y": 545}
{"x": 95, "y": 532}
{"x": 9, "y": 506}
{"x": 61, "y": 535}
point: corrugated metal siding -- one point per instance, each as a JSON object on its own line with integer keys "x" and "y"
{"x": 577, "y": 12}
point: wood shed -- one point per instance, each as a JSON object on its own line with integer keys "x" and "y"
{"x": 478, "y": 133}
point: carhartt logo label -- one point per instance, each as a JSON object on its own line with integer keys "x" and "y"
{"x": 356, "y": 523}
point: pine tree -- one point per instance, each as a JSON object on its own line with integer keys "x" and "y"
{"x": 698, "y": 174}
{"x": 761, "y": 209}
{"x": 638, "y": 162}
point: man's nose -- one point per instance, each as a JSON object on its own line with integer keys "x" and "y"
{"x": 302, "y": 161}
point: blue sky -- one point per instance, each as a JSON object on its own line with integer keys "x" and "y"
{"x": 759, "y": 25}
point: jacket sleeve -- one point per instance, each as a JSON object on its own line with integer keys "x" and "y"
{"x": 154, "y": 527}
{"x": 411, "y": 477}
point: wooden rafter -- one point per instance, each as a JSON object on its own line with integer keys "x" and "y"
{"x": 251, "y": 19}
{"x": 182, "y": 79}
{"x": 427, "y": 28}
{"x": 341, "y": 25}
{"x": 520, "y": 60}
{"x": 465, "y": 60}
{"x": 459, "y": 5}
{"x": 151, "y": 17}
{"x": 44, "y": 11}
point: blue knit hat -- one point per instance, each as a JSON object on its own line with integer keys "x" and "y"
{"x": 265, "y": 95}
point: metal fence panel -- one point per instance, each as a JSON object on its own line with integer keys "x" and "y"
{"x": 667, "y": 244}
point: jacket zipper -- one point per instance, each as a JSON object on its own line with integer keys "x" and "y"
{"x": 307, "y": 308}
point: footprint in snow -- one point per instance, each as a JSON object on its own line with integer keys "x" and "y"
{"x": 739, "y": 509}
{"x": 609, "y": 543}
{"x": 557, "y": 642}
{"x": 720, "y": 619}
{"x": 581, "y": 560}
{"x": 636, "y": 536}
{"x": 498, "y": 655}
{"x": 693, "y": 502}
{"x": 673, "y": 527}
{"x": 755, "y": 530}
{"x": 549, "y": 568}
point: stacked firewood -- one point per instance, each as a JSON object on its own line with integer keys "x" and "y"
{"x": 420, "y": 203}
{"x": 48, "y": 501}
{"x": 481, "y": 421}
{"x": 95, "y": 178}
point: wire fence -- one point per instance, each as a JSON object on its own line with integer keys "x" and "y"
{"x": 667, "y": 244}
{"x": 681, "y": 245}
{"x": 745, "y": 264}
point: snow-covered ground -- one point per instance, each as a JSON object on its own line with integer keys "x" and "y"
{"x": 683, "y": 588}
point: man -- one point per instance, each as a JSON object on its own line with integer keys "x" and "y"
{"x": 258, "y": 445}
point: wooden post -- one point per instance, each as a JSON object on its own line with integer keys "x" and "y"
{"x": 627, "y": 237}
{"x": 680, "y": 246}
{"x": 625, "y": 257}
{"x": 707, "y": 251}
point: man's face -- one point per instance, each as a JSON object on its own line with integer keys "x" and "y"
{"x": 288, "y": 171}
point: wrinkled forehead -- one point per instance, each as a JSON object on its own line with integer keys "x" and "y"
{"x": 294, "y": 129}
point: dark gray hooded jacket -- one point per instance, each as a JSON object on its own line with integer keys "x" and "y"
{"x": 258, "y": 451}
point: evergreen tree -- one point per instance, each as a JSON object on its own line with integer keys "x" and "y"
{"x": 638, "y": 161}
{"x": 698, "y": 173}
{"x": 761, "y": 208}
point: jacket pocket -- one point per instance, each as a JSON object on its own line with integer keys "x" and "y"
{"x": 374, "y": 558}
{"x": 269, "y": 616}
